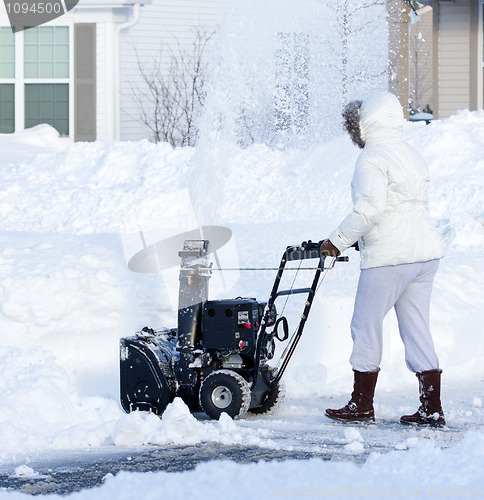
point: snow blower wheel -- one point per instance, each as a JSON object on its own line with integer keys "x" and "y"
{"x": 224, "y": 391}
{"x": 272, "y": 401}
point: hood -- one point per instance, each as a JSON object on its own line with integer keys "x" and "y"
{"x": 381, "y": 119}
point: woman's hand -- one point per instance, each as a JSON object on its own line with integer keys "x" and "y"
{"x": 328, "y": 249}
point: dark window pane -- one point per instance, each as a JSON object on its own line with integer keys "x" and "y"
{"x": 47, "y": 103}
{"x": 7, "y": 108}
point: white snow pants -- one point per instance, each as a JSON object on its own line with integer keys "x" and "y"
{"x": 407, "y": 287}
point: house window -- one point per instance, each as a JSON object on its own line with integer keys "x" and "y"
{"x": 46, "y": 52}
{"x": 35, "y": 78}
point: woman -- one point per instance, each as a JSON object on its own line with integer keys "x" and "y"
{"x": 400, "y": 252}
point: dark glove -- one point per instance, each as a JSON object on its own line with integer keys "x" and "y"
{"x": 328, "y": 249}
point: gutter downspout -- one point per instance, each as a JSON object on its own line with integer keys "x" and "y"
{"x": 117, "y": 70}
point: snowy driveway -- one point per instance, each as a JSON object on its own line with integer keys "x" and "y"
{"x": 297, "y": 431}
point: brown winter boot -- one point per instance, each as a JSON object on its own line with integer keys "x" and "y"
{"x": 360, "y": 406}
{"x": 430, "y": 411}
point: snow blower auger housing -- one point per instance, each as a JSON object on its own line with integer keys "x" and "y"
{"x": 217, "y": 358}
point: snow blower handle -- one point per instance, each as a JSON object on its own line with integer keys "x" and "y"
{"x": 306, "y": 250}
{"x": 311, "y": 249}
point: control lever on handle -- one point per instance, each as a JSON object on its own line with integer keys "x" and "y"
{"x": 310, "y": 245}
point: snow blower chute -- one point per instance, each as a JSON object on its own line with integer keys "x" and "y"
{"x": 217, "y": 358}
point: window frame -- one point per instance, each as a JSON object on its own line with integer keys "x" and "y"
{"x": 11, "y": 80}
{"x": 20, "y": 81}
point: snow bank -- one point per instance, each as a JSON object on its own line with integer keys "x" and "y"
{"x": 39, "y": 410}
{"x": 99, "y": 187}
{"x": 67, "y": 296}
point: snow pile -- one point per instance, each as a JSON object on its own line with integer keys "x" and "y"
{"x": 97, "y": 187}
{"x": 354, "y": 440}
{"x": 179, "y": 426}
{"x": 41, "y": 411}
{"x": 67, "y": 296}
{"x": 25, "y": 472}
{"x": 22, "y": 145}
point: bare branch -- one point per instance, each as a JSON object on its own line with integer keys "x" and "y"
{"x": 172, "y": 95}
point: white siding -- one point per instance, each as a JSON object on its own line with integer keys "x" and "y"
{"x": 160, "y": 24}
{"x": 454, "y": 57}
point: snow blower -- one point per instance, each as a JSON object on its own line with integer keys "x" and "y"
{"x": 217, "y": 358}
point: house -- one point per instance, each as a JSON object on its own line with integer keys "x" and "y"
{"x": 458, "y": 62}
{"x": 446, "y": 55}
{"x": 78, "y": 71}
{"x": 75, "y": 72}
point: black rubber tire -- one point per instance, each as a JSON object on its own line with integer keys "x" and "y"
{"x": 272, "y": 401}
{"x": 224, "y": 391}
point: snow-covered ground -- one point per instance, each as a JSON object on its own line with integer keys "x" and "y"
{"x": 70, "y": 221}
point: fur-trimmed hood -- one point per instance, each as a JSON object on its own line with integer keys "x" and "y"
{"x": 351, "y": 122}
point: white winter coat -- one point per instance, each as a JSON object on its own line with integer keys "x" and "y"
{"x": 389, "y": 188}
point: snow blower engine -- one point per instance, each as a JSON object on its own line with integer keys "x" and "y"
{"x": 217, "y": 358}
